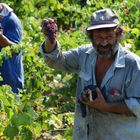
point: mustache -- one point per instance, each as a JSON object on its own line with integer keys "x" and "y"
{"x": 106, "y": 46}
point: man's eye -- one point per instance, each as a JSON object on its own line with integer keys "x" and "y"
{"x": 98, "y": 38}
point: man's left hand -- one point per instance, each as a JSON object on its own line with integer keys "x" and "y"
{"x": 99, "y": 103}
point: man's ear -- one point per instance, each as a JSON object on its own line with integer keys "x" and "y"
{"x": 119, "y": 32}
{"x": 89, "y": 34}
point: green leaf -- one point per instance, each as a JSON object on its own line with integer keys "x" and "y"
{"x": 21, "y": 119}
{"x": 26, "y": 134}
{"x": 37, "y": 128}
{"x": 31, "y": 112}
{"x": 11, "y": 131}
{"x": 135, "y": 31}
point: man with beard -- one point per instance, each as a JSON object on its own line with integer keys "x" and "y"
{"x": 108, "y": 96}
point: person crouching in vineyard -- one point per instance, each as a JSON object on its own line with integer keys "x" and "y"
{"x": 11, "y": 69}
{"x": 108, "y": 96}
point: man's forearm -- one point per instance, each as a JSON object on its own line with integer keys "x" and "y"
{"x": 48, "y": 46}
{"x": 4, "y": 41}
{"x": 120, "y": 108}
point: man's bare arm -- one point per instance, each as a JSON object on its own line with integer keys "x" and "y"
{"x": 100, "y": 104}
{"x": 4, "y": 41}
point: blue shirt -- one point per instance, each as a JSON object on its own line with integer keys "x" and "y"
{"x": 123, "y": 76}
{"x": 12, "y": 68}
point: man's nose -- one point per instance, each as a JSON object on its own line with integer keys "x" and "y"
{"x": 104, "y": 42}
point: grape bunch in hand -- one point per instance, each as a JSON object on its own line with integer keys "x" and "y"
{"x": 49, "y": 28}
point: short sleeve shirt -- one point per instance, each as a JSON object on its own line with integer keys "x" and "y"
{"x": 12, "y": 68}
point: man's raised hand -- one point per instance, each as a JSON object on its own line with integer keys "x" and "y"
{"x": 49, "y": 28}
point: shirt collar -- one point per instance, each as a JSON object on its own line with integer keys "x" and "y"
{"x": 6, "y": 10}
{"x": 120, "y": 58}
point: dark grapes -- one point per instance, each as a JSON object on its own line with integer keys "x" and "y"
{"x": 87, "y": 89}
{"x": 92, "y": 88}
{"x": 83, "y": 108}
{"x": 82, "y": 2}
{"x": 50, "y": 27}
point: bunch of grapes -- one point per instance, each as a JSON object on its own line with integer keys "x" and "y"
{"x": 82, "y": 2}
{"x": 83, "y": 108}
{"x": 49, "y": 27}
{"x": 90, "y": 94}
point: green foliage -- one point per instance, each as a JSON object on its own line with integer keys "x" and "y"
{"x": 26, "y": 134}
{"x": 21, "y": 119}
{"x": 46, "y": 104}
{"x": 11, "y": 131}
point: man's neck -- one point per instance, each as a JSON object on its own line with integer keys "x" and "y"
{"x": 106, "y": 59}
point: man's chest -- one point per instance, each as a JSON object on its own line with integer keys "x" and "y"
{"x": 101, "y": 70}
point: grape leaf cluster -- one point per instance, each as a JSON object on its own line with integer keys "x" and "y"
{"x": 49, "y": 27}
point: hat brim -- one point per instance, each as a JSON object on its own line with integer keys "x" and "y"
{"x": 101, "y": 26}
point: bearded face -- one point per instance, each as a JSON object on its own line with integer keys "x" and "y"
{"x": 108, "y": 50}
{"x": 105, "y": 42}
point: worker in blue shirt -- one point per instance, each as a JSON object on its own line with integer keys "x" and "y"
{"x": 11, "y": 33}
